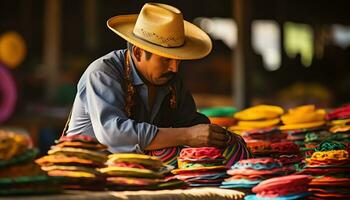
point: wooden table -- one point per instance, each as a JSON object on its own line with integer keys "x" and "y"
{"x": 178, "y": 194}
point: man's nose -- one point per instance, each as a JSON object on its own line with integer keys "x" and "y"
{"x": 174, "y": 66}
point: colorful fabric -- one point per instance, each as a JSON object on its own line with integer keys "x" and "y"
{"x": 233, "y": 153}
{"x": 130, "y": 172}
{"x": 167, "y": 155}
{"x": 330, "y": 145}
{"x": 290, "y": 158}
{"x": 200, "y": 153}
{"x": 199, "y": 169}
{"x": 270, "y": 134}
{"x": 257, "y": 164}
{"x": 237, "y": 151}
{"x": 149, "y": 162}
{"x": 77, "y": 138}
{"x": 286, "y": 197}
{"x": 285, "y": 147}
{"x": 201, "y": 176}
{"x": 260, "y": 147}
{"x": 240, "y": 183}
{"x": 276, "y": 187}
{"x": 340, "y": 128}
{"x": 339, "y": 113}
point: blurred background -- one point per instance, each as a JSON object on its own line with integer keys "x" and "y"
{"x": 282, "y": 52}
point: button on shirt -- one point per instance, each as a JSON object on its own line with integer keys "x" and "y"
{"x": 98, "y": 108}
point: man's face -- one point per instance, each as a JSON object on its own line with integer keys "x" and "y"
{"x": 157, "y": 70}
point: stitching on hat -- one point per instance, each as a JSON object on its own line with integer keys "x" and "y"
{"x": 163, "y": 40}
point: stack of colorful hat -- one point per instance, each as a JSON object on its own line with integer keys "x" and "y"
{"x": 287, "y": 153}
{"x": 260, "y": 149}
{"x": 127, "y": 171}
{"x": 264, "y": 134}
{"x": 285, "y": 187}
{"x": 76, "y": 158}
{"x": 257, "y": 117}
{"x": 260, "y": 141}
{"x": 314, "y": 138}
{"x": 340, "y": 115}
{"x": 18, "y": 172}
{"x": 201, "y": 166}
{"x": 340, "y": 134}
{"x": 250, "y": 172}
{"x": 339, "y": 120}
{"x": 222, "y": 116}
{"x": 330, "y": 165}
{"x": 298, "y": 121}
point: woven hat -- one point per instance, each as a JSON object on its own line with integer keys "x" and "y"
{"x": 160, "y": 29}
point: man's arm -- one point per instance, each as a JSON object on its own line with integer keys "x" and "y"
{"x": 195, "y": 136}
{"x": 111, "y": 125}
{"x": 191, "y": 128}
{"x": 113, "y": 128}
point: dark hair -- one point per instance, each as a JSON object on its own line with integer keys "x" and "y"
{"x": 130, "y": 46}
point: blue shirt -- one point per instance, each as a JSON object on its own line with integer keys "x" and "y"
{"x": 98, "y": 108}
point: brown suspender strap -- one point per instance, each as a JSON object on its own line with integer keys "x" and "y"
{"x": 64, "y": 132}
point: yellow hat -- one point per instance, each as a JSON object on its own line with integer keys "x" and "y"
{"x": 160, "y": 29}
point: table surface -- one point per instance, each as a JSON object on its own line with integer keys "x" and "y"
{"x": 178, "y": 194}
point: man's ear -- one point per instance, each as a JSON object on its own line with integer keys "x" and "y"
{"x": 137, "y": 53}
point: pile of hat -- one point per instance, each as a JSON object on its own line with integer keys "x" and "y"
{"x": 272, "y": 134}
{"x": 245, "y": 174}
{"x": 339, "y": 120}
{"x": 201, "y": 166}
{"x": 76, "y": 158}
{"x": 330, "y": 165}
{"x": 265, "y": 142}
{"x": 18, "y": 172}
{"x": 288, "y": 153}
{"x": 257, "y": 117}
{"x": 314, "y": 138}
{"x": 285, "y": 187}
{"x": 302, "y": 120}
{"x": 260, "y": 149}
{"x": 128, "y": 171}
{"x": 221, "y": 115}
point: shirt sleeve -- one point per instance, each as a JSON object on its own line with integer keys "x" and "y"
{"x": 187, "y": 114}
{"x": 112, "y": 127}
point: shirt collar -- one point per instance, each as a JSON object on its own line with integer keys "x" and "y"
{"x": 136, "y": 79}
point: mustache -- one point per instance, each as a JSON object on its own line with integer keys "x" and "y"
{"x": 168, "y": 75}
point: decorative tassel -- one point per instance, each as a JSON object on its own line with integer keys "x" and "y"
{"x": 130, "y": 89}
{"x": 173, "y": 97}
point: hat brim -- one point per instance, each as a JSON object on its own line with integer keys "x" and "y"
{"x": 197, "y": 42}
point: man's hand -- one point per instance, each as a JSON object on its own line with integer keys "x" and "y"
{"x": 207, "y": 135}
{"x": 201, "y": 135}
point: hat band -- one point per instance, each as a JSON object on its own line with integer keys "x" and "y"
{"x": 154, "y": 38}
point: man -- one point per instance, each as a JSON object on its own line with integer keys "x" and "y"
{"x": 133, "y": 100}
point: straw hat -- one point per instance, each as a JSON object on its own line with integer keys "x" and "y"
{"x": 160, "y": 29}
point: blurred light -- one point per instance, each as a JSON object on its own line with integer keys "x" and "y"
{"x": 219, "y": 29}
{"x": 298, "y": 39}
{"x": 341, "y": 35}
{"x": 266, "y": 41}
